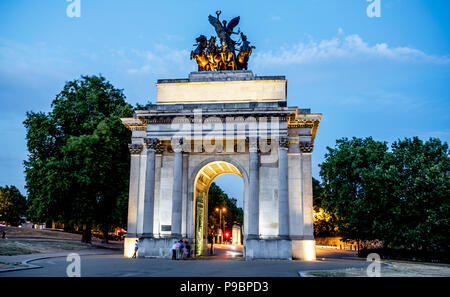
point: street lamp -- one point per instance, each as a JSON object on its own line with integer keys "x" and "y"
{"x": 220, "y": 210}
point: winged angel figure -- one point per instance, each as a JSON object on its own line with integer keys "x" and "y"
{"x": 225, "y": 31}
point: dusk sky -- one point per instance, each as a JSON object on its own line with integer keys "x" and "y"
{"x": 385, "y": 77}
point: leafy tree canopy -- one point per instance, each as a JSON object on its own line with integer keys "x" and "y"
{"x": 217, "y": 198}
{"x": 12, "y": 205}
{"x": 78, "y": 163}
{"x": 399, "y": 196}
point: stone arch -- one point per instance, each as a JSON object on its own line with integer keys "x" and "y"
{"x": 200, "y": 180}
{"x": 242, "y": 169}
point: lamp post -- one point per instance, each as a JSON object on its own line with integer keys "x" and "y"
{"x": 220, "y": 210}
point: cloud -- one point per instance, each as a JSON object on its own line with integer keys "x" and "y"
{"x": 444, "y": 135}
{"x": 160, "y": 60}
{"x": 343, "y": 47}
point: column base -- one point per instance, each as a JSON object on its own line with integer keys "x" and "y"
{"x": 304, "y": 249}
{"x": 150, "y": 247}
{"x": 177, "y": 235}
{"x": 129, "y": 245}
{"x": 277, "y": 248}
{"x": 146, "y": 235}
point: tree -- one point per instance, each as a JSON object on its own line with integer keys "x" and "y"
{"x": 317, "y": 193}
{"x": 400, "y": 197}
{"x": 217, "y": 198}
{"x": 421, "y": 174}
{"x": 324, "y": 221}
{"x": 78, "y": 164}
{"x": 354, "y": 186}
{"x": 12, "y": 205}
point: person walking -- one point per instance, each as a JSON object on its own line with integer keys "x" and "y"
{"x": 189, "y": 249}
{"x": 136, "y": 248}
{"x": 174, "y": 250}
{"x": 186, "y": 250}
{"x": 180, "y": 249}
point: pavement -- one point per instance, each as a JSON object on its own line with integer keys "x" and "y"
{"x": 24, "y": 261}
{"x": 226, "y": 263}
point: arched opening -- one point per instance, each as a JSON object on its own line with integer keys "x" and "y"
{"x": 220, "y": 231}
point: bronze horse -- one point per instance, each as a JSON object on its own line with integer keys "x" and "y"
{"x": 244, "y": 53}
{"x": 213, "y": 54}
{"x": 199, "y": 54}
{"x": 210, "y": 57}
{"x": 228, "y": 58}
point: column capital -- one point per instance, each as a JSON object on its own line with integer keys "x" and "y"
{"x": 253, "y": 146}
{"x": 177, "y": 144}
{"x": 135, "y": 148}
{"x": 306, "y": 147}
{"x": 151, "y": 143}
{"x": 283, "y": 142}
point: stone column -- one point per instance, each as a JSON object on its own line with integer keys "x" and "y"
{"x": 253, "y": 203}
{"x": 149, "y": 188}
{"x": 135, "y": 150}
{"x": 177, "y": 187}
{"x": 307, "y": 191}
{"x": 283, "y": 194}
{"x": 295, "y": 189}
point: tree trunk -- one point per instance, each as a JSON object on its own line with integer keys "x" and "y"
{"x": 68, "y": 227}
{"x": 105, "y": 235}
{"x": 86, "y": 237}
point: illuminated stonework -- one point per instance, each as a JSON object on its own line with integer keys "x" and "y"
{"x": 257, "y": 89}
{"x": 182, "y": 143}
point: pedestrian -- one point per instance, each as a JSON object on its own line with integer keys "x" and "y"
{"x": 177, "y": 250}
{"x": 136, "y": 247}
{"x": 174, "y": 250}
{"x": 186, "y": 250}
{"x": 189, "y": 248}
{"x": 180, "y": 249}
{"x": 3, "y": 234}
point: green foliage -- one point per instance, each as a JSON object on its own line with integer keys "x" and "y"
{"x": 324, "y": 221}
{"x": 199, "y": 228}
{"x": 139, "y": 106}
{"x": 400, "y": 197}
{"x": 420, "y": 174}
{"x": 317, "y": 193}
{"x": 217, "y": 198}
{"x": 12, "y": 205}
{"x": 77, "y": 169}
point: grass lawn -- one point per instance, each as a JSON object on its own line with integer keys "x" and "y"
{"x": 12, "y": 232}
{"x": 12, "y": 247}
{"x": 22, "y": 241}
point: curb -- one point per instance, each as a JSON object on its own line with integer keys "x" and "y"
{"x": 304, "y": 274}
{"x": 33, "y": 266}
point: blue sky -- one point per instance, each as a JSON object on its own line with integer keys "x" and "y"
{"x": 384, "y": 77}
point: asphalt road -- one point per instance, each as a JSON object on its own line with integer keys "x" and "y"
{"x": 221, "y": 266}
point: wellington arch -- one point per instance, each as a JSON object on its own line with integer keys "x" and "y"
{"x": 215, "y": 123}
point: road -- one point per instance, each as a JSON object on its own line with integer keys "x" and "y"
{"x": 225, "y": 251}
{"x": 222, "y": 265}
